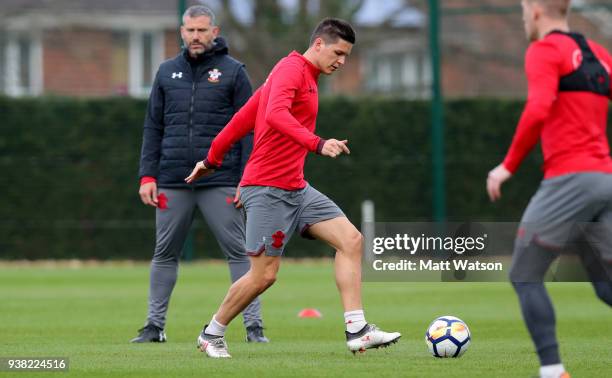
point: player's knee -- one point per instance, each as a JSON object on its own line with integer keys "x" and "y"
{"x": 526, "y": 267}
{"x": 264, "y": 278}
{"x": 353, "y": 242}
{"x": 520, "y": 277}
{"x": 520, "y": 287}
{"x": 268, "y": 279}
{"x": 527, "y": 291}
{"x": 604, "y": 291}
{"x": 514, "y": 275}
{"x": 165, "y": 257}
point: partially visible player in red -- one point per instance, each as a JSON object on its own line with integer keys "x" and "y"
{"x": 567, "y": 107}
{"x": 277, "y": 199}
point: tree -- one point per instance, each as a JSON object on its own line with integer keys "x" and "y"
{"x": 273, "y": 30}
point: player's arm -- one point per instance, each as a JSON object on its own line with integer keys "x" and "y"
{"x": 287, "y": 80}
{"x": 151, "y": 145}
{"x": 542, "y": 64}
{"x": 242, "y": 93}
{"x": 240, "y": 125}
{"x": 284, "y": 84}
{"x": 605, "y": 59}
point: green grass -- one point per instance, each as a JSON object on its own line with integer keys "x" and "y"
{"x": 89, "y": 313}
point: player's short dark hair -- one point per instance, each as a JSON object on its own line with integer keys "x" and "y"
{"x": 332, "y": 29}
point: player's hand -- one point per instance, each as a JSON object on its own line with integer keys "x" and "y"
{"x": 148, "y": 193}
{"x": 334, "y": 148}
{"x": 237, "y": 201}
{"x": 497, "y": 176}
{"x": 200, "y": 170}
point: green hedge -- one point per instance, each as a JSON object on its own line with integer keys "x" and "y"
{"x": 69, "y": 171}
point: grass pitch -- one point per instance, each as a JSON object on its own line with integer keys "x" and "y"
{"x": 89, "y": 313}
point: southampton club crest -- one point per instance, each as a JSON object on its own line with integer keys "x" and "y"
{"x": 213, "y": 75}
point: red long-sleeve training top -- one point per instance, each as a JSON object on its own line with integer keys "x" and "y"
{"x": 571, "y": 125}
{"x": 283, "y": 112}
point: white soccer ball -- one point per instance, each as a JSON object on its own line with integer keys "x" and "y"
{"x": 448, "y": 336}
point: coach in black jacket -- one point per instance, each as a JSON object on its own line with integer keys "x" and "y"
{"x": 193, "y": 97}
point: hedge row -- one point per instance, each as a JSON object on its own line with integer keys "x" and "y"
{"x": 69, "y": 171}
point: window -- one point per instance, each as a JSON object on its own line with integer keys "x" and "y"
{"x": 21, "y": 64}
{"x": 146, "y": 51}
{"x": 23, "y": 56}
{"x": 400, "y": 73}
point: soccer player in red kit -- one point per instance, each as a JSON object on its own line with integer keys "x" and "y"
{"x": 277, "y": 199}
{"x": 567, "y": 106}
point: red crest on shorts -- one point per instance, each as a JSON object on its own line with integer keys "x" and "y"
{"x": 278, "y": 237}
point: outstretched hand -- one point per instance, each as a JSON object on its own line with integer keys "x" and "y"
{"x": 334, "y": 148}
{"x": 497, "y": 176}
{"x": 200, "y": 170}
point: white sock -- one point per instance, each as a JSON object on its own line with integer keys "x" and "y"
{"x": 551, "y": 371}
{"x": 215, "y": 328}
{"x": 354, "y": 320}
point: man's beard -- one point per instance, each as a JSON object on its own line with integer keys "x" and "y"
{"x": 203, "y": 49}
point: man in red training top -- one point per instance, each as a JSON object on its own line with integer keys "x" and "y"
{"x": 277, "y": 199}
{"x": 567, "y": 106}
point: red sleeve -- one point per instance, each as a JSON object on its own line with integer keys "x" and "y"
{"x": 240, "y": 125}
{"x": 286, "y": 81}
{"x": 542, "y": 66}
{"x": 146, "y": 180}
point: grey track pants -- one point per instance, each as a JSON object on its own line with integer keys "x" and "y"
{"x": 172, "y": 227}
{"x": 549, "y": 227}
